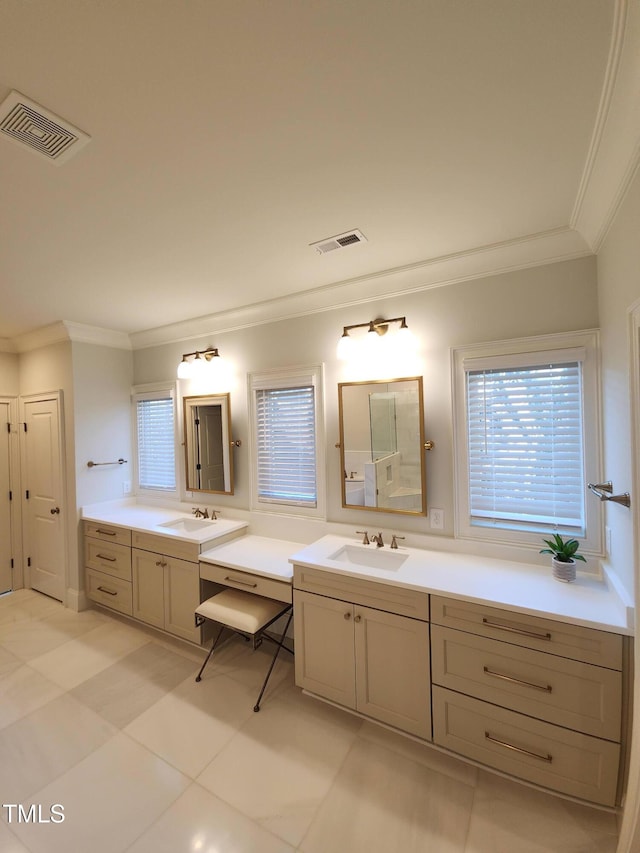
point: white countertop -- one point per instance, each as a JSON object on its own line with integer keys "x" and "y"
{"x": 149, "y": 519}
{"x": 504, "y": 584}
{"x": 257, "y": 555}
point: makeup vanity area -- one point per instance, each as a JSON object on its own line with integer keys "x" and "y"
{"x": 488, "y": 659}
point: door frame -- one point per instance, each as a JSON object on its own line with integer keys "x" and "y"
{"x": 15, "y": 507}
{"x": 41, "y": 398}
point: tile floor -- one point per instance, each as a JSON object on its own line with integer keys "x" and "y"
{"x": 105, "y": 719}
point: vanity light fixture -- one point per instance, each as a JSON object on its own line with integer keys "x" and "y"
{"x": 200, "y": 363}
{"x": 376, "y": 329}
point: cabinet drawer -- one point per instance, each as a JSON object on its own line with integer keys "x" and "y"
{"x": 382, "y": 596}
{"x": 164, "y": 545}
{"x": 546, "y": 635}
{"x": 268, "y": 587}
{"x": 108, "y": 533}
{"x": 538, "y": 752}
{"x": 107, "y": 557}
{"x": 110, "y": 591}
{"x": 568, "y": 693}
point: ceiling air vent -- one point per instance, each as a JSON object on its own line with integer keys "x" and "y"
{"x": 339, "y": 242}
{"x": 28, "y": 124}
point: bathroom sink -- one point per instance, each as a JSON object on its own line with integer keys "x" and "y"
{"x": 390, "y": 561}
{"x": 187, "y": 525}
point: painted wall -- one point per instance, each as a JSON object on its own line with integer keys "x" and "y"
{"x": 540, "y": 300}
{"x": 9, "y": 374}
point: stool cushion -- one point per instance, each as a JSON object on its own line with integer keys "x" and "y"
{"x": 241, "y": 610}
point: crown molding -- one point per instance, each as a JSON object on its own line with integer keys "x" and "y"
{"x": 66, "y": 330}
{"x": 560, "y": 244}
{"x": 614, "y": 153}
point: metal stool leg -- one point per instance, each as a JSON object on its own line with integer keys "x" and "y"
{"x": 206, "y": 660}
{"x": 256, "y": 707}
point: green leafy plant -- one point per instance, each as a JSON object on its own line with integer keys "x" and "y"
{"x": 564, "y": 550}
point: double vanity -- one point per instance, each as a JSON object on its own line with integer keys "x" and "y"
{"x": 491, "y": 660}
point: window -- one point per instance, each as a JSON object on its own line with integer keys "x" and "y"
{"x": 287, "y": 419}
{"x": 526, "y": 439}
{"x": 154, "y": 413}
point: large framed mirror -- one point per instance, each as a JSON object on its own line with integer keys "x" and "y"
{"x": 208, "y": 444}
{"x": 382, "y": 445}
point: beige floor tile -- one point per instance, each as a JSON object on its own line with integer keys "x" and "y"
{"x": 237, "y": 660}
{"x": 281, "y": 764}
{"x": 110, "y": 798}
{"x": 8, "y": 841}
{"x": 23, "y": 690}
{"x": 209, "y": 713}
{"x": 425, "y": 754}
{"x": 200, "y": 821}
{"x": 8, "y": 662}
{"x": 125, "y": 689}
{"x": 381, "y": 801}
{"x": 27, "y": 604}
{"x": 80, "y": 659}
{"x": 38, "y": 748}
{"x": 508, "y": 816}
{"x": 24, "y": 642}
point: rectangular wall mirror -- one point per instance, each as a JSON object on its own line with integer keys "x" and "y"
{"x": 382, "y": 445}
{"x": 208, "y": 445}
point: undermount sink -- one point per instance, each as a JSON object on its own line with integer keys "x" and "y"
{"x": 365, "y": 556}
{"x": 188, "y": 525}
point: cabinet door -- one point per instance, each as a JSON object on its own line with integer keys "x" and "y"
{"x": 393, "y": 670}
{"x": 324, "y": 659}
{"x": 181, "y": 597}
{"x": 148, "y": 587}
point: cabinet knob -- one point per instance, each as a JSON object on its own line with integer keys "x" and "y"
{"x": 347, "y": 616}
{"x": 357, "y": 618}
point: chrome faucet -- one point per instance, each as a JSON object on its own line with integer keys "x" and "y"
{"x": 378, "y": 540}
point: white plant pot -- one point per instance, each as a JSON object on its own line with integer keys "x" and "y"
{"x": 565, "y": 572}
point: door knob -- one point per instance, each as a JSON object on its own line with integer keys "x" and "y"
{"x": 55, "y": 511}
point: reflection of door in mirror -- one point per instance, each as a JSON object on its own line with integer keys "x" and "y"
{"x": 209, "y": 474}
{"x": 382, "y": 445}
{"x": 207, "y": 429}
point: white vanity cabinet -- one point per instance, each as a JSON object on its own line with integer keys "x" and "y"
{"x": 365, "y": 646}
{"x": 529, "y": 696}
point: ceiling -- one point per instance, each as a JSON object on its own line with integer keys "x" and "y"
{"x": 228, "y": 135}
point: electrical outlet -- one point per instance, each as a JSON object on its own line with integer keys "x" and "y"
{"x": 126, "y": 487}
{"x": 607, "y": 541}
{"x": 436, "y": 519}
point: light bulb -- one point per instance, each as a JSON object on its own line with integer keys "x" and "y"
{"x": 345, "y": 348}
{"x": 184, "y": 369}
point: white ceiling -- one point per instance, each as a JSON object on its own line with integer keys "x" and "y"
{"x": 228, "y": 135}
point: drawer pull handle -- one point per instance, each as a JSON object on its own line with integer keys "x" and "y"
{"x": 106, "y": 532}
{"x": 242, "y": 583}
{"x": 520, "y": 631}
{"x": 545, "y": 688}
{"x": 108, "y": 591}
{"x": 548, "y": 758}
{"x": 109, "y": 559}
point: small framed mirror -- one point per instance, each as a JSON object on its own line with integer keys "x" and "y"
{"x": 382, "y": 445}
{"x": 208, "y": 444}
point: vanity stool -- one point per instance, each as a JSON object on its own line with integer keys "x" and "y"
{"x": 248, "y": 615}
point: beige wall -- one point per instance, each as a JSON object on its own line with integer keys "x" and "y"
{"x": 9, "y": 377}
{"x": 541, "y": 300}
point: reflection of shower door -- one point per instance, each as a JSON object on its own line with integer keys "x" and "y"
{"x": 382, "y": 421}
{"x": 210, "y": 449}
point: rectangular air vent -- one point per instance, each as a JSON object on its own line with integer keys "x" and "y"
{"x": 30, "y": 125}
{"x": 340, "y": 241}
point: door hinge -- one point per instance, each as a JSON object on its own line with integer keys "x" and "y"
{"x": 26, "y": 494}
{"x": 29, "y": 561}
{"x": 25, "y": 426}
{"x": 198, "y": 466}
{"x": 9, "y": 428}
{"x": 12, "y": 562}
{"x": 10, "y": 495}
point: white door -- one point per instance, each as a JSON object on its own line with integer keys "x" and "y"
{"x": 43, "y": 498}
{"x": 5, "y": 504}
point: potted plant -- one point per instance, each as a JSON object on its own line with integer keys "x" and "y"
{"x": 564, "y": 553}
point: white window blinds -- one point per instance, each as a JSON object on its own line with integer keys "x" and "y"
{"x": 525, "y": 446}
{"x": 156, "y": 442}
{"x": 286, "y": 445}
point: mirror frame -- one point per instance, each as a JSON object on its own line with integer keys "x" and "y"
{"x": 189, "y": 403}
{"x": 422, "y": 448}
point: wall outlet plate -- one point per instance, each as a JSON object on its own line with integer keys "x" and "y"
{"x": 436, "y": 519}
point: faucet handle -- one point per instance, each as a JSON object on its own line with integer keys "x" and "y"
{"x": 365, "y": 536}
{"x": 394, "y": 538}
{"x": 215, "y": 513}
